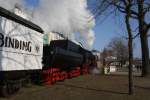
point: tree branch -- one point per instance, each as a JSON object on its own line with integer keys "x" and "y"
{"x": 147, "y": 9}
{"x": 133, "y": 36}
{"x": 148, "y": 26}
{"x": 102, "y": 7}
{"x": 134, "y": 17}
{"x": 136, "y": 36}
{"x": 121, "y": 8}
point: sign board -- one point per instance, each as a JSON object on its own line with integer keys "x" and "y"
{"x": 20, "y": 47}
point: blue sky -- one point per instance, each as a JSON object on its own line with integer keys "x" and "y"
{"x": 104, "y": 30}
{"x": 32, "y": 3}
{"x": 113, "y": 26}
{"x": 109, "y": 29}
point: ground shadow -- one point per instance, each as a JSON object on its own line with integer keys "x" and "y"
{"x": 92, "y": 89}
{"x": 142, "y": 87}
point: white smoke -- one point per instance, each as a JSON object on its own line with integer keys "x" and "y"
{"x": 9, "y": 4}
{"x": 64, "y": 16}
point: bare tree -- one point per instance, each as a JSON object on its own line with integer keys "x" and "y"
{"x": 119, "y": 48}
{"x": 130, "y": 46}
{"x": 104, "y": 54}
{"x": 143, "y": 8}
{"x": 124, "y": 6}
{"x": 103, "y": 57}
{"x": 138, "y": 11}
{"x": 123, "y": 50}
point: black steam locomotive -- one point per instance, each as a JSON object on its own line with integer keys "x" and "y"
{"x": 64, "y": 53}
{"x": 59, "y": 60}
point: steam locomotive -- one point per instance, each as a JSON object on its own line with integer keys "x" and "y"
{"x": 24, "y": 58}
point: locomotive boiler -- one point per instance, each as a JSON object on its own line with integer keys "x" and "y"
{"x": 60, "y": 52}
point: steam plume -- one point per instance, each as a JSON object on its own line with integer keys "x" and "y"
{"x": 9, "y": 4}
{"x": 64, "y": 16}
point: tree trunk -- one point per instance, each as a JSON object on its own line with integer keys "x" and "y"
{"x": 144, "y": 41}
{"x": 130, "y": 48}
{"x": 130, "y": 66}
{"x": 130, "y": 74}
{"x": 145, "y": 55}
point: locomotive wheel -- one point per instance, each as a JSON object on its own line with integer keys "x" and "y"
{"x": 4, "y": 91}
{"x": 8, "y": 90}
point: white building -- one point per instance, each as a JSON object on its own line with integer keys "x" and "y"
{"x": 52, "y": 36}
